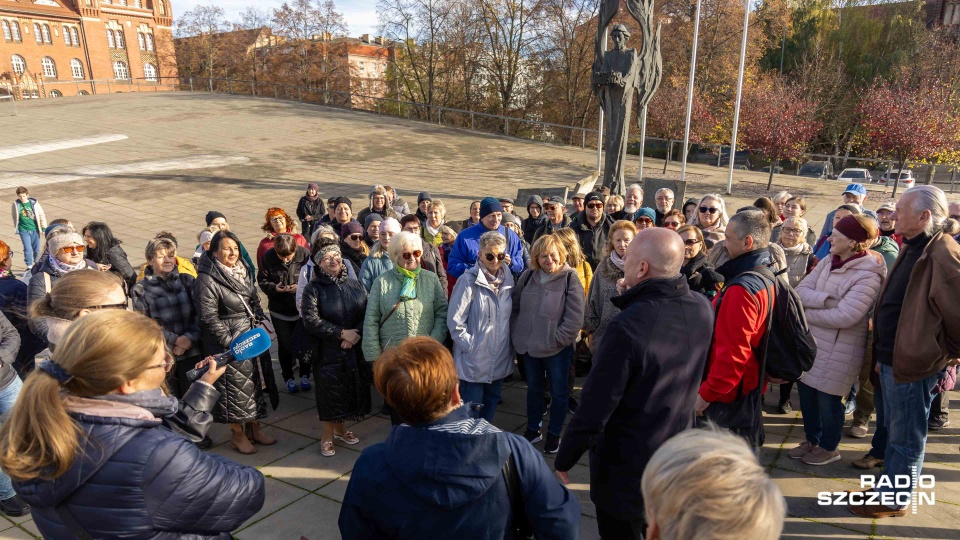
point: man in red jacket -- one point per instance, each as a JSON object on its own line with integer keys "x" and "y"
{"x": 726, "y": 395}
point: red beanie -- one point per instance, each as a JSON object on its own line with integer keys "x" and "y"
{"x": 851, "y": 228}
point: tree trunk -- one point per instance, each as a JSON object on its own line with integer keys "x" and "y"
{"x": 931, "y": 172}
{"x": 770, "y": 178}
{"x": 896, "y": 181}
{"x": 668, "y": 156}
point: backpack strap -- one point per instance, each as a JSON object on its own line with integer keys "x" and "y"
{"x": 71, "y": 523}
{"x": 520, "y": 522}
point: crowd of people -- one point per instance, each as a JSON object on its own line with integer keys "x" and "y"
{"x": 669, "y": 310}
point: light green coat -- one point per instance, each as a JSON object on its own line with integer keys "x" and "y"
{"x": 426, "y": 315}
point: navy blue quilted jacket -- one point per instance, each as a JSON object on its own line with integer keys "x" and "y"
{"x": 135, "y": 478}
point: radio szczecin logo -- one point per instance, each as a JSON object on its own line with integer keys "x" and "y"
{"x": 899, "y": 491}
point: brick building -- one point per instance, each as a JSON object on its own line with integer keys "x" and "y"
{"x": 54, "y": 48}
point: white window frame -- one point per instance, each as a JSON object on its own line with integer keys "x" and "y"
{"x": 147, "y": 75}
{"x": 38, "y": 32}
{"x": 7, "y": 33}
{"x": 15, "y": 27}
{"x": 49, "y": 67}
{"x": 111, "y": 40}
{"x": 150, "y": 43}
{"x": 76, "y": 36}
{"x": 66, "y": 36}
{"x": 76, "y": 68}
{"x": 55, "y": 94}
{"x": 18, "y": 64}
{"x": 121, "y": 40}
{"x": 46, "y": 35}
{"x": 124, "y": 71}
{"x": 142, "y": 41}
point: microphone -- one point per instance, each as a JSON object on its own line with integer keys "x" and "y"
{"x": 247, "y": 345}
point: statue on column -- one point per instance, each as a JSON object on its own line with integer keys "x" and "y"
{"x": 620, "y": 73}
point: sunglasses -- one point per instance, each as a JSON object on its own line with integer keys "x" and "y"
{"x": 73, "y": 249}
{"x": 415, "y": 255}
{"x": 597, "y": 205}
{"x": 499, "y": 256}
{"x": 691, "y": 241}
{"x": 122, "y": 305}
{"x": 705, "y": 210}
{"x": 356, "y": 237}
{"x": 671, "y": 224}
{"x": 644, "y": 220}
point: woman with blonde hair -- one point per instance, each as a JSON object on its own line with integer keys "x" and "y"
{"x": 600, "y": 310}
{"x": 87, "y": 443}
{"x": 711, "y": 218}
{"x": 575, "y": 257}
{"x": 436, "y": 219}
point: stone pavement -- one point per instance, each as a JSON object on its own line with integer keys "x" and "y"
{"x": 173, "y": 157}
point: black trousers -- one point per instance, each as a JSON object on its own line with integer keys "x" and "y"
{"x": 177, "y": 381}
{"x": 612, "y": 528}
{"x": 284, "y": 347}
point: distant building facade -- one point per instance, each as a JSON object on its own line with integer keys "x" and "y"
{"x": 54, "y": 48}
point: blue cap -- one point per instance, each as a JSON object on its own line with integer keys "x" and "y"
{"x": 856, "y": 189}
{"x": 645, "y": 212}
{"x": 488, "y": 206}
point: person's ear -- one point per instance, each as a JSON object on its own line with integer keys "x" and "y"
{"x": 642, "y": 269}
{"x": 126, "y": 388}
{"x": 653, "y": 530}
{"x": 84, "y": 312}
{"x": 455, "y": 398}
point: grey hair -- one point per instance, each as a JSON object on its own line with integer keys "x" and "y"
{"x": 492, "y": 239}
{"x": 400, "y": 241}
{"x": 159, "y": 244}
{"x": 665, "y": 190}
{"x": 724, "y": 218}
{"x": 322, "y": 230}
{"x": 632, "y": 187}
{"x": 781, "y": 196}
{"x": 932, "y": 199}
{"x": 752, "y": 223}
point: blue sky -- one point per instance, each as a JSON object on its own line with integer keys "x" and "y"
{"x": 361, "y": 15}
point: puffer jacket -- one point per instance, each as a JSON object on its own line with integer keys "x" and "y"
{"x": 328, "y": 309}
{"x": 375, "y": 264}
{"x": 887, "y": 247}
{"x": 134, "y": 478}
{"x": 425, "y": 315}
{"x": 837, "y": 304}
{"x": 223, "y": 318}
{"x": 306, "y": 274}
{"x": 799, "y": 262}
{"x": 547, "y": 316}
{"x": 119, "y": 265}
{"x": 479, "y": 323}
{"x": 600, "y": 310}
{"x": 37, "y": 288}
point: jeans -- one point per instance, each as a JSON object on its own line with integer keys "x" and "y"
{"x": 865, "y": 397}
{"x": 31, "y": 246}
{"x": 8, "y": 396}
{"x": 284, "y": 351}
{"x": 878, "y": 446}
{"x": 558, "y": 367}
{"x": 486, "y": 394}
{"x": 822, "y": 417}
{"x": 907, "y": 408}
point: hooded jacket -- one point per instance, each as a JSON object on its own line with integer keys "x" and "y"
{"x": 837, "y": 304}
{"x": 132, "y": 477}
{"x": 547, "y": 315}
{"x": 467, "y": 248}
{"x": 531, "y": 224}
{"x": 38, "y": 213}
{"x": 445, "y": 480}
{"x": 479, "y": 323}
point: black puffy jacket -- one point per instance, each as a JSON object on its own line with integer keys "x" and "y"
{"x": 119, "y": 265}
{"x": 329, "y": 308}
{"x": 134, "y": 478}
{"x": 273, "y": 271}
{"x": 219, "y": 300}
{"x": 701, "y": 275}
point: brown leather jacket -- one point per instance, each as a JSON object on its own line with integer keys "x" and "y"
{"x": 928, "y": 332}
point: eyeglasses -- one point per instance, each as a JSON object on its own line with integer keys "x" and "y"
{"x": 595, "y": 205}
{"x": 705, "y": 210}
{"x": 356, "y": 237}
{"x": 166, "y": 365}
{"x": 122, "y": 305}
{"x": 277, "y": 219}
{"x": 645, "y": 220}
{"x": 73, "y": 249}
{"x": 414, "y": 255}
{"x": 331, "y": 260}
{"x": 691, "y": 241}
{"x": 415, "y": 230}
{"x": 499, "y": 256}
{"x": 792, "y": 231}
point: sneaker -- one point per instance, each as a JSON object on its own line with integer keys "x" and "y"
{"x": 552, "y": 444}
{"x": 819, "y": 456}
{"x": 801, "y": 450}
{"x": 935, "y": 425}
{"x": 533, "y": 436}
{"x": 867, "y": 462}
{"x": 14, "y": 507}
{"x": 572, "y": 405}
{"x": 292, "y": 386}
{"x": 849, "y": 407}
{"x": 305, "y": 383}
{"x": 784, "y": 408}
{"x": 857, "y": 431}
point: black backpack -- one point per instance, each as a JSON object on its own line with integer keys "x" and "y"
{"x": 791, "y": 348}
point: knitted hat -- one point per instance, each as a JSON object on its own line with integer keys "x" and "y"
{"x": 58, "y": 241}
{"x": 510, "y": 218}
{"x": 314, "y": 187}
{"x": 424, "y": 196}
{"x": 212, "y": 215}
{"x": 853, "y": 229}
{"x": 343, "y": 200}
{"x": 592, "y": 196}
{"x": 371, "y": 217}
{"x": 326, "y": 249}
{"x": 647, "y": 213}
{"x": 488, "y": 206}
{"x": 350, "y": 227}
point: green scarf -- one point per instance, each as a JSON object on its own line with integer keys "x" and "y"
{"x": 409, "y": 289}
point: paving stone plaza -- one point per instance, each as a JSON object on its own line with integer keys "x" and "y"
{"x": 145, "y": 163}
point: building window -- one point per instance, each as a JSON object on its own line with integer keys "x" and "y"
{"x": 37, "y": 33}
{"x": 19, "y": 65}
{"x": 149, "y": 72}
{"x": 143, "y": 42}
{"x": 55, "y": 93}
{"x": 120, "y": 70}
{"x": 111, "y": 41}
{"x": 163, "y": 7}
{"x": 120, "y": 41}
{"x": 46, "y": 34}
{"x": 49, "y": 68}
{"x": 149, "y": 40}
{"x": 76, "y": 68}
{"x": 66, "y": 36}
{"x": 7, "y": 34}
{"x": 76, "y": 36}
{"x": 138, "y": 3}
{"x": 83, "y": 93}
{"x": 15, "y": 28}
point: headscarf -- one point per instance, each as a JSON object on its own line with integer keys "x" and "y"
{"x": 314, "y": 187}
{"x": 409, "y": 289}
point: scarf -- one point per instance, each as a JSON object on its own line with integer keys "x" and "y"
{"x": 433, "y": 232}
{"x": 61, "y": 268}
{"x": 493, "y": 280}
{"x": 795, "y": 249}
{"x": 5, "y": 273}
{"x": 155, "y": 401}
{"x": 316, "y": 197}
{"x": 409, "y": 289}
{"x": 238, "y": 272}
{"x": 836, "y": 262}
{"x": 616, "y": 260}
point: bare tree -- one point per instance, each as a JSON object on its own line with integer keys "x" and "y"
{"x": 508, "y": 33}
{"x": 201, "y": 51}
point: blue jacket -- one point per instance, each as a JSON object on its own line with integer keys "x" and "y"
{"x": 467, "y": 248}
{"x": 134, "y": 478}
{"x": 444, "y": 480}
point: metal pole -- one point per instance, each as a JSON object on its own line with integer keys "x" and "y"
{"x": 600, "y": 127}
{"x": 643, "y": 141}
{"x": 736, "y": 109}
{"x": 191, "y": 84}
{"x": 693, "y": 73}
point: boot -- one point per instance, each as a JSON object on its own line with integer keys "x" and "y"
{"x": 258, "y": 436}
{"x": 239, "y": 440}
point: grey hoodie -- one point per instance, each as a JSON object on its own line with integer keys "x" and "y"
{"x": 547, "y": 316}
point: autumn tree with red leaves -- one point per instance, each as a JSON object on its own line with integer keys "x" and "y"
{"x": 904, "y": 122}
{"x": 667, "y": 113}
{"x": 776, "y": 120}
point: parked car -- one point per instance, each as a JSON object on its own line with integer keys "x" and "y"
{"x": 817, "y": 169}
{"x": 776, "y": 170}
{"x": 702, "y": 154}
{"x": 742, "y": 161}
{"x": 905, "y": 177}
{"x": 860, "y": 176}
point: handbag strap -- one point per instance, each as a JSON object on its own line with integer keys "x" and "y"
{"x": 520, "y": 522}
{"x": 392, "y": 311}
{"x": 70, "y": 522}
